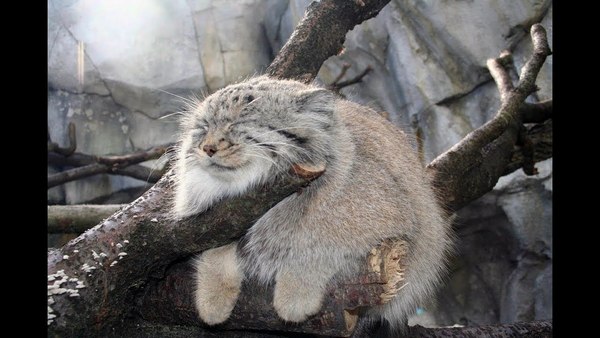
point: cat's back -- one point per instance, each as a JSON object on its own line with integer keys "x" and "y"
{"x": 378, "y": 143}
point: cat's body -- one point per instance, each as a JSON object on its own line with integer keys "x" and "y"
{"x": 373, "y": 188}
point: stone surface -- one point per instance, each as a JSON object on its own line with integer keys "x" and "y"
{"x": 115, "y": 68}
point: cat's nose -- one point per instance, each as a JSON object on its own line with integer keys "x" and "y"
{"x": 210, "y": 149}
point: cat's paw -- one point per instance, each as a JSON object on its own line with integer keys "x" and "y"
{"x": 295, "y": 302}
{"x": 218, "y": 283}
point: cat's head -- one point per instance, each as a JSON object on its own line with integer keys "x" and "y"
{"x": 259, "y": 125}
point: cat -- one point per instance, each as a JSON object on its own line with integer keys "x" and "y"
{"x": 373, "y": 188}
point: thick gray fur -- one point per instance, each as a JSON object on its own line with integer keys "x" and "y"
{"x": 373, "y": 188}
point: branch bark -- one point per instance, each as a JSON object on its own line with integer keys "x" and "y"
{"x": 473, "y": 166}
{"x": 534, "y": 329}
{"x": 78, "y": 218}
{"x": 133, "y": 263}
{"x": 111, "y": 264}
{"x": 319, "y": 35}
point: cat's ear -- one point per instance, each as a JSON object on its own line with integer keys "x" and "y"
{"x": 318, "y": 100}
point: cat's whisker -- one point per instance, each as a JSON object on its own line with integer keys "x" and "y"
{"x": 263, "y": 152}
{"x": 181, "y": 112}
{"x": 283, "y": 155}
{"x": 184, "y": 99}
{"x": 264, "y": 158}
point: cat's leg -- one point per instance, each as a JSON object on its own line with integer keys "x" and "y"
{"x": 218, "y": 282}
{"x": 299, "y": 292}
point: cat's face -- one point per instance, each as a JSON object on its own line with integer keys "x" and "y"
{"x": 257, "y": 125}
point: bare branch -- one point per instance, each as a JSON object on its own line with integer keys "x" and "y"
{"x": 540, "y": 136}
{"x": 534, "y": 329}
{"x": 472, "y": 167}
{"x": 78, "y": 218}
{"x": 89, "y": 165}
{"x": 319, "y": 35}
{"x": 77, "y": 173}
{"x": 140, "y": 156}
{"x": 345, "y": 67}
{"x": 336, "y": 85}
{"x": 135, "y": 171}
{"x": 497, "y": 68}
{"x": 532, "y": 67}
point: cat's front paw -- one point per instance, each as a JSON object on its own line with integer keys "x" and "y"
{"x": 218, "y": 283}
{"x": 294, "y": 301}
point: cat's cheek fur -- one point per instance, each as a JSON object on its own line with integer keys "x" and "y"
{"x": 218, "y": 283}
{"x": 197, "y": 189}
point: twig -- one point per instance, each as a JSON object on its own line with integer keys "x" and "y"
{"x": 345, "y": 67}
{"x": 497, "y": 68}
{"x": 72, "y": 142}
{"x": 89, "y": 165}
{"x": 127, "y": 159}
{"x": 337, "y": 85}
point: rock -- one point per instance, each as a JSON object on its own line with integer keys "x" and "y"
{"x": 102, "y": 128}
{"x": 231, "y": 44}
{"x": 132, "y": 49}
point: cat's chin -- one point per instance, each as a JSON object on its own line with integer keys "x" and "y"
{"x": 222, "y": 171}
{"x": 243, "y": 173}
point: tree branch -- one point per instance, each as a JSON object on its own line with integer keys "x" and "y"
{"x": 89, "y": 165}
{"x": 78, "y": 218}
{"x": 540, "y": 136}
{"x": 473, "y": 166}
{"x": 534, "y": 329}
{"x": 319, "y": 35}
{"x": 111, "y": 259}
{"x": 336, "y": 85}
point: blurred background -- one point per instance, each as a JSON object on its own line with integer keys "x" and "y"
{"x": 117, "y": 69}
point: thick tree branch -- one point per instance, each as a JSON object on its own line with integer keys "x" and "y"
{"x": 111, "y": 260}
{"x": 535, "y": 329}
{"x": 319, "y": 35}
{"x": 378, "y": 282}
{"x": 78, "y": 218}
